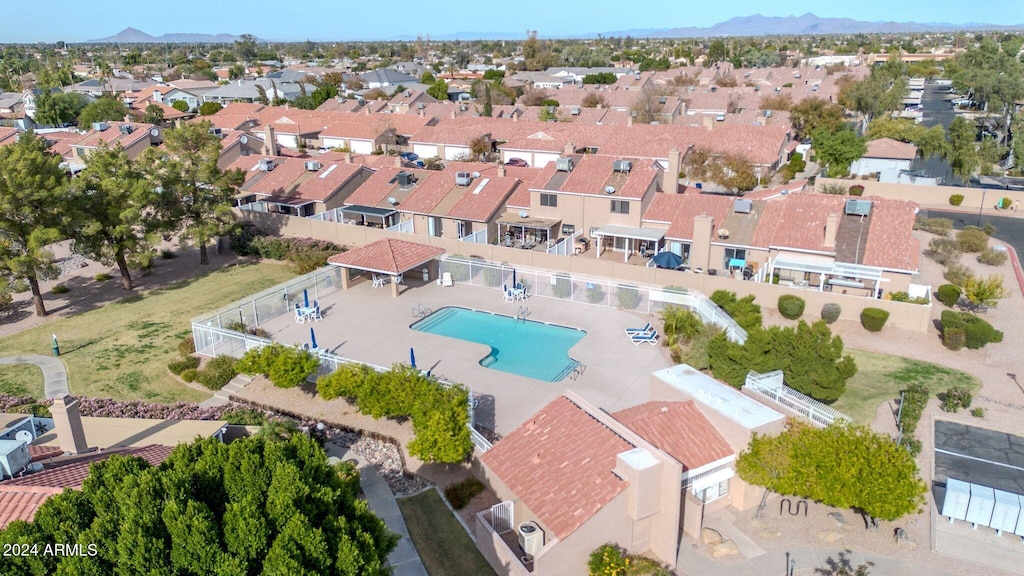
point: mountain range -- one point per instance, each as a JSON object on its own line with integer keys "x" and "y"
{"x": 756, "y": 25}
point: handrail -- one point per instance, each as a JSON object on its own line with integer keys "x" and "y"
{"x": 421, "y": 311}
{"x": 577, "y": 370}
{"x": 522, "y": 312}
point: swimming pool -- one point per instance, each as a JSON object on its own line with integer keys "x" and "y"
{"x": 527, "y": 348}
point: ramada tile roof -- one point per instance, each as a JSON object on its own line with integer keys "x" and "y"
{"x": 679, "y": 210}
{"x": 387, "y": 256}
{"x": 679, "y": 429}
{"x": 559, "y": 463}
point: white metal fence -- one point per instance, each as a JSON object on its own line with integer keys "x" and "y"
{"x": 772, "y": 387}
{"x": 502, "y": 517}
{"x": 596, "y": 291}
{"x": 478, "y": 237}
{"x": 405, "y": 226}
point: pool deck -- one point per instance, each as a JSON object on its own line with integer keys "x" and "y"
{"x": 368, "y": 325}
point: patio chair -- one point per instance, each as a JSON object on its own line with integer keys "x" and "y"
{"x": 399, "y": 279}
{"x": 509, "y": 296}
{"x": 650, "y": 338}
{"x": 378, "y": 281}
{"x": 640, "y": 331}
{"x": 446, "y": 280}
{"x": 316, "y": 311}
{"x": 299, "y": 316}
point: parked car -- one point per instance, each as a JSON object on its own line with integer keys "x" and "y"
{"x": 411, "y": 157}
{"x": 518, "y": 162}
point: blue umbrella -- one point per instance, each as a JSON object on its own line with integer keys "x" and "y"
{"x": 412, "y": 357}
{"x": 312, "y": 338}
{"x": 667, "y": 259}
{"x": 305, "y": 297}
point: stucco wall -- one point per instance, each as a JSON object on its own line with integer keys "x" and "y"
{"x": 936, "y": 197}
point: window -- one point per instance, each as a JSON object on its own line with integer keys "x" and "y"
{"x": 723, "y": 487}
{"x": 548, "y": 200}
{"x": 733, "y": 254}
{"x": 620, "y": 207}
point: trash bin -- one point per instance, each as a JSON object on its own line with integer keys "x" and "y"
{"x": 426, "y": 274}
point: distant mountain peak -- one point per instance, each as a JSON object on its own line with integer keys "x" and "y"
{"x": 134, "y": 35}
{"x": 759, "y": 25}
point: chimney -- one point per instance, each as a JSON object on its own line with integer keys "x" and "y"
{"x": 629, "y": 120}
{"x": 348, "y": 157}
{"x": 454, "y": 112}
{"x": 128, "y": 118}
{"x": 68, "y": 423}
{"x": 831, "y": 229}
{"x": 700, "y": 250}
{"x": 671, "y": 182}
{"x": 501, "y": 170}
{"x": 269, "y": 143}
{"x": 367, "y": 110}
{"x": 643, "y": 472}
{"x": 398, "y": 161}
{"x": 515, "y": 117}
{"x": 422, "y": 113}
{"x": 569, "y": 148}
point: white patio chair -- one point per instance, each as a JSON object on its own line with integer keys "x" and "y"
{"x": 399, "y": 279}
{"x": 446, "y": 280}
{"x": 299, "y": 316}
{"x": 509, "y": 296}
{"x": 378, "y": 281}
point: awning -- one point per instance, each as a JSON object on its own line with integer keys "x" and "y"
{"x": 286, "y": 200}
{"x": 835, "y": 269}
{"x": 369, "y": 211}
{"x": 652, "y": 234}
{"x": 534, "y": 223}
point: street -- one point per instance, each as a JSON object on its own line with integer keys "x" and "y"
{"x": 1009, "y": 229}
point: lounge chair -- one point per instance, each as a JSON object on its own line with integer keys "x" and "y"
{"x": 650, "y": 338}
{"x": 639, "y": 331}
{"x": 299, "y": 316}
{"x": 446, "y": 280}
{"x": 378, "y": 281}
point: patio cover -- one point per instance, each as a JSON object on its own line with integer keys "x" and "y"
{"x": 387, "y": 256}
{"x": 369, "y": 211}
{"x": 534, "y": 223}
{"x": 650, "y": 234}
{"x": 835, "y": 269}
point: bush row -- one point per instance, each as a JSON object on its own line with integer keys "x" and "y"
{"x": 305, "y": 254}
{"x": 915, "y": 398}
{"x": 286, "y": 367}
{"x": 961, "y": 329}
{"x": 110, "y": 408}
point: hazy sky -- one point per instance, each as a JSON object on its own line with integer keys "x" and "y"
{"x": 79, "y": 20}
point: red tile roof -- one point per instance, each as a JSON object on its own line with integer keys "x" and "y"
{"x": 20, "y": 505}
{"x": 282, "y": 179}
{"x": 327, "y": 181}
{"x": 593, "y": 173}
{"x": 7, "y": 135}
{"x": 43, "y": 452}
{"x": 890, "y": 149}
{"x": 112, "y": 136}
{"x": 375, "y": 189}
{"x": 797, "y": 221}
{"x": 679, "y": 210}
{"x": 559, "y": 463}
{"x": 480, "y": 204}
{"x": 890, "y": 242}
{"x": 387, "y": 256}
{"x": 678, "y": 428}
{"x": 429, "y": 192}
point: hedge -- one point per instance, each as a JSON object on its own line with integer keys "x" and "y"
{"x": 856, "y": 190}
{"x": 179, "y": 365}
{"x": 955, "y": 398}
{"x": 873, "y": 319}
{"x": 791, "y": 306}
{"x": 286, "y": 367}
{"x": 948, "y": 294}
{"x": 217, "y": 372}
{"x": 956, "y": 199}
{"x": 976, "y": 332}
{"x": 460, "y": 493}
{"x": 830, "y": 312}
{"x": 440, "y": 419}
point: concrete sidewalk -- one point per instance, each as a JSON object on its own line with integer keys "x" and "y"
{"x": 807, "y": 561}
{"x": 404, "y": 559}
{"x": 55, "y": 375}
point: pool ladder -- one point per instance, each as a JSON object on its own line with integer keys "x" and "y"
{"x": 522, "y": 312}
{"x": 577, "y": 370}
{"x": 421, "y": 311}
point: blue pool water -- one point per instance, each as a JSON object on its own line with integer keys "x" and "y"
{"x": 532, "y": 349}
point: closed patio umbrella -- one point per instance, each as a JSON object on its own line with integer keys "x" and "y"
{"x": 312, "y": 338}
{"x": 305, "y": 298}
{"x": 667, "y": 259}
{"x": 513, "y": 278}
{"x": 412, "y": 357}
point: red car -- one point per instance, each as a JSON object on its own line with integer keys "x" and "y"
{"x": 517, "y": 162}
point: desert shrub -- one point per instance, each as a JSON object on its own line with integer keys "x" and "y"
{"x": 834, "y": 189}
{"x": 286, "y": 367}
{"x": 60, "y": 289}
{"x": 989, "y": 228}
{"x": 167, "y": 254}
{"x": 144, "y": 261}
{"x": 1005, "y": 203}
{"x": 940, "y": 226}
{"x": 957, "y": 274}
{"x": 102, "y": 277}
{"x": 913, "y": 445}
{"x": 915, "y": 398}
{"x": 612, "y": 560}
{"x": 629, "y": 297}
{"x": 993, "y": 257}
{"x": 791, "y": 306}
{"x": 306, "y": 254}
{"x": 460, "y": 493}
{"x": 242, "y": 236}
{"x": 972, "y": 239}
{"x": 873, "y": 319}
{"x": 179, "y": 365}
{"x": 189, "y": 375}
{"x": 948, "y": 294}
{"x": 906, "y": 297}
{"x": 956, "y": 199}
{"x": 953, "y": 337}
{"x": 243, "y": 416}
{"x": 217, "y": 372}
{"x": 830, "y": 312}
{"x": 955, "y": 398}
{"x": 562, "y": 288}
{"x": 976, "y": 331}
{"x": 492, "y": 277}
{"x": 595, "y": 293}
{"x": 187, "y": 346}
{"x": 945, "y": 251}
{"x": 695, "y": 353}
{"x": 743, "y": 310}
{"x": 978, "y": 412}
{"x": 856, "y": 190}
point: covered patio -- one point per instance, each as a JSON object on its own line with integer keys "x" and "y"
{"x": 369, "y": 216}
{"x": 823, "y": 276}
{"x": 388, "y": 258}
{"x": 629, "y": 240}
{"x": 522, "y": 231}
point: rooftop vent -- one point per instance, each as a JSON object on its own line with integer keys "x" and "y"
{"x": 563, "y": 164}
{"x": 622, "y": 166}
{"x": 463, "y": 178}
{"x": 393, "y": 201}
{"x": 266, "y": 164}
{"x": 574, "y": 110}
{"x": 858, "y": 207}
{"x": 662, "y": 99}
{"x": 404, "y": 178}
{"x": 421, "y": 106}
{"x": 217, "y": 132}
{"x": 609, "y": 189}
{"x": 720, "y": 118}
{"x": 125, "y": 128}
{"x": 741, "y": 206}
{"x": 312, "y": 166}
{"x": 100, "y": 126}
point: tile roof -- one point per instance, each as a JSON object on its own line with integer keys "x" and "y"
{"x": 679, "y": 210}
{"x": 43, "y": 452}
{"x": 678, "y": 428}
{"x": 593, "y": 173}
{"x": 112, "y": 136}
{"x": 797, "y": 221}
{"x": 370, "y": 126}
{"x": 483, "y": 198}
{"x": 429, "y": 192}
{"x": 890, "y": 149}
{"x": 282, "y": 179}
{"x": 20, "y": 505}
{"x": 890, "y": 242}
{"x": 7, "y": 135}
{"x": 559, "y": 463}
{"x": 376, "y": 188}
{"x": 326, "y": 181}
{"x": 388, "y": 256}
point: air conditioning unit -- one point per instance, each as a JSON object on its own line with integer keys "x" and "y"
{"x": 421, "y": 106}
{"x": 720, "y": 118}
{"x": 14, "y": 457}
{"x": 463, "y": 178}
{"x": 858, "y": 207}
{"x": 622, "y": 166}
{"x": 531, "y": 538}
{"x": 266, "y": 164}
{"x": 125, "y": 128}
{"x": 741, "y": 206}
{"x": 404, "y": 178}
{"x": 100, "y": 126}
{"x": 312, "y": 166}
{"x": 574, "y": 110}
{"x": 563, "y": 164}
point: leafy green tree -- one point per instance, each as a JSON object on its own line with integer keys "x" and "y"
{"x": 929, "y": 141}
{"x": 837, "y": 150}
{"x": 842, "y": 466}
{"x": 427, "y": 77}
{"x": 180, "y": 105}
{"x": 103, "y": 109}
{"x": 813, "y": 114}
{"x": 153, "y": 114}
{"x": 984, "y": 292}
{"x": 196, "y": 196}
{"x": 246, "y": 47}
{"x": 210, "y": 108}
{"x": 323, "y": 94}
{"x": 600, "y": 78}
{"x": 31, "y": 190}
{"x": 735, "y": 173}
{"x": 59, "y": 109}
{"x": 962, "y": 152}
{"x": 113, "y": 200}
{"x": 438, "y": 90}
{"x": 488, "y": 107}
{"x": 255, "y": 506}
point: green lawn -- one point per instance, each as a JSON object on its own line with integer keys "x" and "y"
{"x": 880, "y": 377}
{"x": 121, "y": 350}
{"x": 442, "y": 543}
